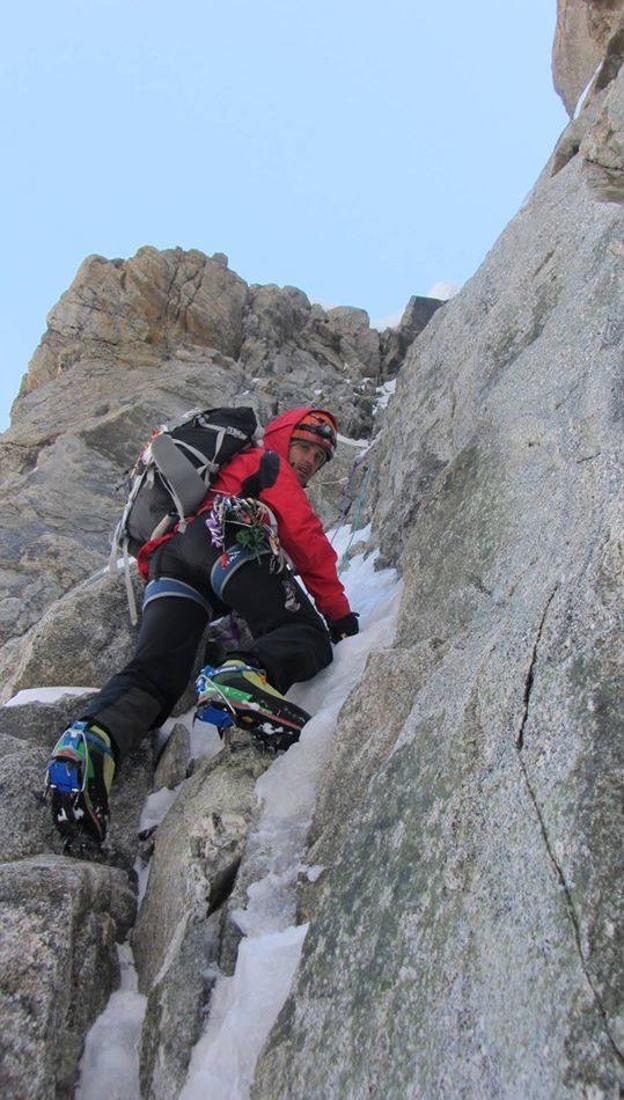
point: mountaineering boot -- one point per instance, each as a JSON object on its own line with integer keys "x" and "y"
{"x": 239, "y": 694}
{"x": 79, "y": 778}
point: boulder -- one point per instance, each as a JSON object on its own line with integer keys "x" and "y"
{"x": 81, "y": 639}
{"x": 395, "y": 342}
{"x": 198, "y": 848}
{"x": 60, "y": 920}
{"x": 27, "y": 734}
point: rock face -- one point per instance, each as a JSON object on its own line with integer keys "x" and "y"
{"x": 395, "y": 341}
{"x": 585, "y": 28}
{"x": 464, "y": 935}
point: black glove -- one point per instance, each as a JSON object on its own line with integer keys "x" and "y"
{"x": 343, "y": 628}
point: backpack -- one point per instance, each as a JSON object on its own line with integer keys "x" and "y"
{"x": 173, "y": 473}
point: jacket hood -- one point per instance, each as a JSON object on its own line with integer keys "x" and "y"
{"x": 278, "y": 432}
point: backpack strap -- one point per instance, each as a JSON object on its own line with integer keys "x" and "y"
{"x": 186, "y": 486}
{"x": 264, "y": 477}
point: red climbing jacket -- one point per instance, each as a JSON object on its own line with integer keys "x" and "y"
{"x": 299, "y": 528}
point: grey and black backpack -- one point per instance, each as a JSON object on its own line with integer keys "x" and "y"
{"x": 173, "y": 473}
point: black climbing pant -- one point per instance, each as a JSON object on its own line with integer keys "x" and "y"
{"x": 290, "y": 641}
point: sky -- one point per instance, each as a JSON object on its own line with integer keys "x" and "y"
{"x": 360, "y": 151}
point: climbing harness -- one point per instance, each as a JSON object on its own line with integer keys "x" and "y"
{"x": 250, "y": 528}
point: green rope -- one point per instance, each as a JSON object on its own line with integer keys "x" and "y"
{"x": 344, "y": 563}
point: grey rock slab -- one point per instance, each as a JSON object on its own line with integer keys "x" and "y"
{"x": 197, "y": 851}
{"x": 60, "y": 920}
{"x": 177, "y": 1005}
{"x": 175, "y": 758}
{"x": 441, "y": 952}
{"x": 25, "y": 822}
{"x": 463, "y": 936}
{"x": 367, "y": 731}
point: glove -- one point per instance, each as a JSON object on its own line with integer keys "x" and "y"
{"x": 343, "y": 628}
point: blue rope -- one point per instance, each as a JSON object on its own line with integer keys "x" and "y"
{"x": 344, "y": 562}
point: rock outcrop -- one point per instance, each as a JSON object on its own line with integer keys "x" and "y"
{"x": 588, "y": 35}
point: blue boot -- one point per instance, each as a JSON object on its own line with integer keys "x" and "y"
{"x": 78, "y": 780}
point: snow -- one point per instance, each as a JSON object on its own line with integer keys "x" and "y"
{"x": 205, "y": 740}
{"x": 583, "y": 96}
{"x": 353, "y": 442}
{"x": 156, "y": 806}
{"x": 244, "y": 1007}
{"x": 45, "y": 695}
{"x": 110, "y": 1062}
{"x": 385, "y": 393}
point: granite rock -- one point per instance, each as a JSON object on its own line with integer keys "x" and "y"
{"x": 464, "y": 933}
{"x": 60, "y": 921}
{"x": 198, "y": 848}
{"x": 582, "y": 36}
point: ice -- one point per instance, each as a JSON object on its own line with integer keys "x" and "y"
{"x": 243, "y": 1010}
{"x": 110, "y": 1062}
{"x": 156, "y": 806}
{"x": 45, "y": 695}
{"x": 385, "y": 393}
{"x": 245, "y": 1006}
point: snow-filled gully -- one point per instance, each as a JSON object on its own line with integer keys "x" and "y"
{"x": 245, "y": 1006}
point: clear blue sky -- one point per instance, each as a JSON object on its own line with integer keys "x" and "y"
{"x": 361, "y": 151}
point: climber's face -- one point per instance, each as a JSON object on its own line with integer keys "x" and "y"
{"x": 306, "y": 459}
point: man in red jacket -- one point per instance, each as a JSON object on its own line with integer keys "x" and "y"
{"x": 232, "y": 556}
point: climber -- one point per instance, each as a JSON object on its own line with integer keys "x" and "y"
{"x": 233, "y": 555}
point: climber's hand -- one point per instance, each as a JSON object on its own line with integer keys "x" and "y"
{"x": 343, "y": 628}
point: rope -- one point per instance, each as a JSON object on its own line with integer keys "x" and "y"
{"x": 344, "y": 563}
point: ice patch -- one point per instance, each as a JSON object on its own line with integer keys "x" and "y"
{"x": 243, "y": 1010}
{"x": 110, "y": 1062}
{"x": 45, "y": 695}
{"x": 244, "y": 1007}
{"x": 156, "y": 807}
